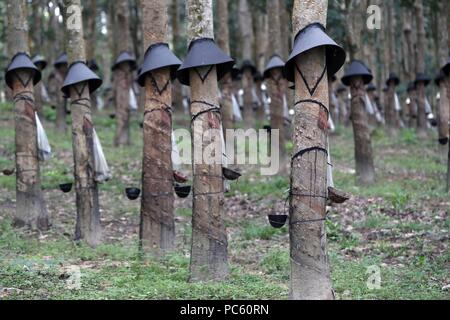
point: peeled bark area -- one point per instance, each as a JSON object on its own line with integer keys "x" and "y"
{"x": 88, "y": 215}
{"x": 209, "y": 238}
{"x": 157, "y": 228}
{"x": 363, "y": 147}
{"x": 30, "y": 206}
{"x": 123, "y": 80}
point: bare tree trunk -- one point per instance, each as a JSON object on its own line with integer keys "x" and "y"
{"x": 420, "y": 68}
{"x": 90, "y": 34}
{"x": 157, "y": 229}
{"x": 275, "y": 85}
{"x": 363, "y": 148}
{"x": 247, "y": 38}
{"x": 444, "y": 107}
{"x": 209, "y": 239}
{"x": 122, "y": 75}
{"x": 310, "y": 275}
{"x": 261, "y": 40}
{"x": 177, "y": 39}
{"x": 88, "y": 215}
{"x": 284, "y": 25}
{"x": 390, "y": 112}
{"x": 223, "y": 41}
{"x": 30, "y": 206}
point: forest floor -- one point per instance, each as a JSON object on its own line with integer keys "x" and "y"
{"x": 399, "y": 226}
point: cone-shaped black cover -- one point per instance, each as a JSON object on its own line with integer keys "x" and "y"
{"x": 124, "y": 57}
{"x": 446, "y": 67}
{"x": 421, "y": 77}
{"x": 310, "y": 37}
{"x": 204, "y": 52}
{"x": 39, "y": 60}
{"x": 393, "y": 77}
{"x": 158, "y": 56}
{"x": 356, "y": 68}
{"x": 62, "y": 59}
{"x": 80, "y": 72}
{"x": 439, "y": 77}
{"x": 371, "y": 87}
{"x": 235, "y": 73}
{"x": 247, "y": 64}
{"x": 21, "y": 61}
{"x": 274, "y": 62}
{"x": 92, "y": 64}
{"x": 341, "y": 88}
{"x": 411, "y": 86}
{"x": 258, "y": 77}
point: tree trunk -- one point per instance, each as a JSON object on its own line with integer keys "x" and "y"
{"x": 177, "y": 43}
{"x": 420, "y": 68}
{"x": 90, "y": 34}
{"x": 122, "y": 75}
{"x": 157, "y": 229}
{"x": 223, "y": 41}
{"x": 363, "y": 148}
{"x": 88, "y": 215}
{"x": 209, "y": 239}
{"x": 275, "y": 84}
{"x": 30, "y": 206}
{"x": 444, "y": 107}
{"x": 310, "y": 275}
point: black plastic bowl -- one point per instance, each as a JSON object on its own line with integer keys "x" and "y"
{"x": 9, "y": 172}
{"x": 133, "y": 193}
{"x": 182, "y": 191}
{"x": 66, "y": 187}
{"x": 277, "y": 220}
{"x": 112, "y": 116}
{"x": 230, "y": 174}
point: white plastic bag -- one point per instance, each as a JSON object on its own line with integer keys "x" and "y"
{"x": 236, "y": 109}
{"x": 102, "y": 172}
{"x": 132, "y": 100}
{"x": 398, "y": 106}
{"x": 330, "y": 182}
{"x": 45, "y": 151}
{"x": 368, "y": 104}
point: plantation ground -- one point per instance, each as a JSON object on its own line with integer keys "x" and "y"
{"x": 400, "y": 225}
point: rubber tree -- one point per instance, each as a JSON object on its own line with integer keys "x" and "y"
{"x": 276, "y": 84}
{"x": 123, "y": 76}
{"x": 157, "y": 227}
{"x": 209, "y": 248}
{"x": 87, "y": 227}
{"x": 247, "y": 40}
{"x": 310, "y": 275}
{"x": 223, "y": 40}
{"x": 31, "y": 210}
{"x": 420, "y": 68}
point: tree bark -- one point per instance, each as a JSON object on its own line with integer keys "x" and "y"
{"x": 157, "y": 228}
{"x": 275, "y": 84}
{"x": 122, "y": 75}
{"x": 30, "y": 206}
{"x": 209, "y": 239}
{"x": 444, "y": 107}
{"x": 223, "y": 41}
{"x": 88, "y": 215}
{"x": 365, "y": 170}
{"x": 91, "y": 30}
{"x": 177, "y": 43}
{"x": 420, "y": 68}
{"x": 310, "y": 275}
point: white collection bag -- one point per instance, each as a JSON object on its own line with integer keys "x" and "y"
{"x": 102, "y": 172}
{"x": 45, "y": 151}
{"x": 236, "y": 109}
{"x": 132, "y": 100}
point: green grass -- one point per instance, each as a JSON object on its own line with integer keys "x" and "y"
{"x": 254, "y": 231}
